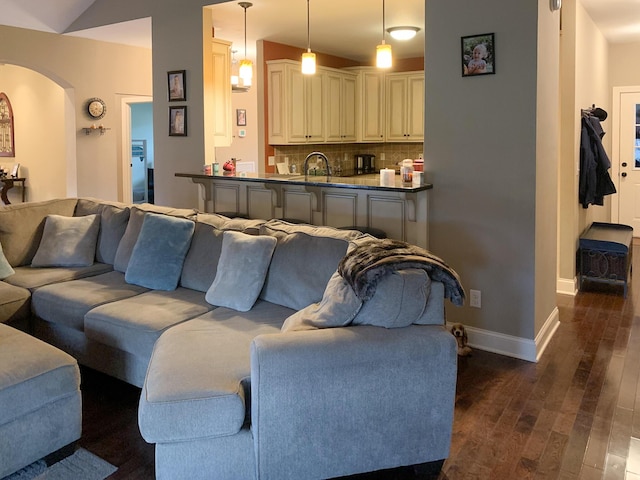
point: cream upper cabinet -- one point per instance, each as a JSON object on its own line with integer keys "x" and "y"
{"x": 305, "y": 106}
{"x": 340, "y": 106}
{"x": 371, "y": 106}
{"x": 217, "y": 95}
{"x": 295, "y": 104}
{"x": 404, "y": 107}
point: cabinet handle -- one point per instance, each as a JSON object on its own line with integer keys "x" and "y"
{"x": 624, "y": 174}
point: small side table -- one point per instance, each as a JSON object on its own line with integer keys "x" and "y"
{"x": 7, "y": 183}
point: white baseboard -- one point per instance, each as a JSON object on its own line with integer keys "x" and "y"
{"x": 516, "y": 347}
{"x": 567, "y": 286}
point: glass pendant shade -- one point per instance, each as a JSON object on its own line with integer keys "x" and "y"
{"x": 309, "y": 63}
{"x": 383, "y": 56}
{"x": 246, "y": 72}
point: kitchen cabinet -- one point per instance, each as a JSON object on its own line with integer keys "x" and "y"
{"x": 371, "y": 108}
{"x": 305, "y": 109}
{"x": 404, "y": 107}
{"x": 340, "y": 106}
{"x": 295, "y": 103}
{"x": 217, "y": 95}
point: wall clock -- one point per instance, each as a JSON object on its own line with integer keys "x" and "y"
{"x": 96, "y": 108}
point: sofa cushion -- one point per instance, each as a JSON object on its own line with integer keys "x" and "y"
{"x": 304, "y": 259}
{"x": 5, "y": 266}
{"x": 113, "y": 223}
{"x": 14, "y": 303}
{"x": 36, "y": 277}
{"x": 68, "y": 242}
{"x": 32, "y": 374}
{"x": 201, "y": 262}
{"x": 67, "y": 303}
{"x": 136, "y": 217}
{"x": 197, "y": 381}
{"x": 21, "y": 226}
{"x": 158, "y": 255}
{"x": 400, "y": 299}
{"x": 242, "y": 268}
{"x": 134, "y": 324}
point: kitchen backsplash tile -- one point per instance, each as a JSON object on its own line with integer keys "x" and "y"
{"x": 342, "y": 156}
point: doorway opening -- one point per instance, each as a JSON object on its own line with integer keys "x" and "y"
{"x": 137, "y": 150}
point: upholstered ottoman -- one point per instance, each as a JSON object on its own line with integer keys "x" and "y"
{"x": 40, "y": 402}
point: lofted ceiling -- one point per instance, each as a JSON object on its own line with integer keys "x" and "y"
{"x": 349, "y": 29}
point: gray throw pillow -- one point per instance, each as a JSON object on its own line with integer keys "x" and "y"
{"x": 5, "y": 268}
{"x": 338, "y": 308}
{"x": 399, "y": 300}
{"x": 68, "y": 242}
{"x": 158, "y": 255}
{"x": 243, "y": 265}
{"x": 304, "y": 260}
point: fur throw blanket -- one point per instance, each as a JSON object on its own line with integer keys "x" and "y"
{"x": 366, "y": 264}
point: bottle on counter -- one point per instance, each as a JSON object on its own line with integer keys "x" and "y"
{"x": 406, "y": 172}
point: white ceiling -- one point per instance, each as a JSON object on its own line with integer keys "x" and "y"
{"x": 347, "y": 28}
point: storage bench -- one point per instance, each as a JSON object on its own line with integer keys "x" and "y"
{"x": 605, "y": 254}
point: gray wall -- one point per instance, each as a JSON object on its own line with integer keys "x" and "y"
{"x": 481, "y": 154}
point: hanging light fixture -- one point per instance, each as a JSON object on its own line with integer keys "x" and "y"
{"x": 403, "y": 33}
{"x": 383, "y": 51}
{"x": 246, "y": 66}
{"x": 308, "y": 57}
{"x": 235, "y": 78}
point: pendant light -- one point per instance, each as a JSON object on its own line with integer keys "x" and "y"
{"x": 245, "y": 71}
{"x": 383, "y": 51}
{"x": 308, "y": 57}
{"x": 235, "y": 78}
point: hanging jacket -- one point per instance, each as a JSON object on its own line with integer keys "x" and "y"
{"x": 595, "y": 181}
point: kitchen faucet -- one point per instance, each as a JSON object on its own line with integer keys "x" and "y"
{"x": 323, "y": 157}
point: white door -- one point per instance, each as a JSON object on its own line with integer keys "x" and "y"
{"x": 629, "y": 161}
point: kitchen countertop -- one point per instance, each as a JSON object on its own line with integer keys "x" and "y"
{"x": 361, "y": 182}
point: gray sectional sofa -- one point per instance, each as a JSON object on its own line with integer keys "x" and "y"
{"x": 257, "y": 358}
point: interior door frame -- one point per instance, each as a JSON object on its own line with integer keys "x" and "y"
{"x": 615, "y": 147}
{"x": 125, "y": 103}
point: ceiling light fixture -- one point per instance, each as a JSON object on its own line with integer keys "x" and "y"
{"x": 383, "y": 51}
{"x": 403, "y": 33}
{"x": 246, "y": 65}
{"x": 308, "y": 57}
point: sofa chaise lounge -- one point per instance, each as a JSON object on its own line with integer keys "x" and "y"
{"x": 256, "y": 357}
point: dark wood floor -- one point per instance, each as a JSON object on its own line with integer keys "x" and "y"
{"x": 570, "y": 416}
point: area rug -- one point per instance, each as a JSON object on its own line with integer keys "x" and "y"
{"x": 82, "y": 465}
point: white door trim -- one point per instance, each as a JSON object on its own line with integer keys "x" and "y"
{"x": 125, "y": 102}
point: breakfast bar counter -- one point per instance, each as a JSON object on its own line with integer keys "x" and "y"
{"x": 358, "y": 201}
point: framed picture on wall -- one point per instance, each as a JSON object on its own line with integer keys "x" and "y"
{"x": 478, "y": 55}
{"x": 178, "y": 121}
{"x": 241, "y": 117}
{"x": 177, "y": 87}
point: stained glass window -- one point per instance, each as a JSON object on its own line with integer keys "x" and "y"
{"x": 7, "y": 148}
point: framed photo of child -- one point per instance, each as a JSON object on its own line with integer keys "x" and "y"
{"x": 176, "y": 83}
{"x": 177, "y": 121}
{"x": 478, "y": 55}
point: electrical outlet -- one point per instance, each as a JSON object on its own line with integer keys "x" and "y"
{"x": 475, "y": 298}
{"x": 383, "y": 157}
{"x": 272, "y": 161}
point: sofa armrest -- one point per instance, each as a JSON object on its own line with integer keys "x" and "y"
{"x": 338, "y": 401}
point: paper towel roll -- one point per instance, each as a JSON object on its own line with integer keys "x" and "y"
{"x": 387, "y": 177}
